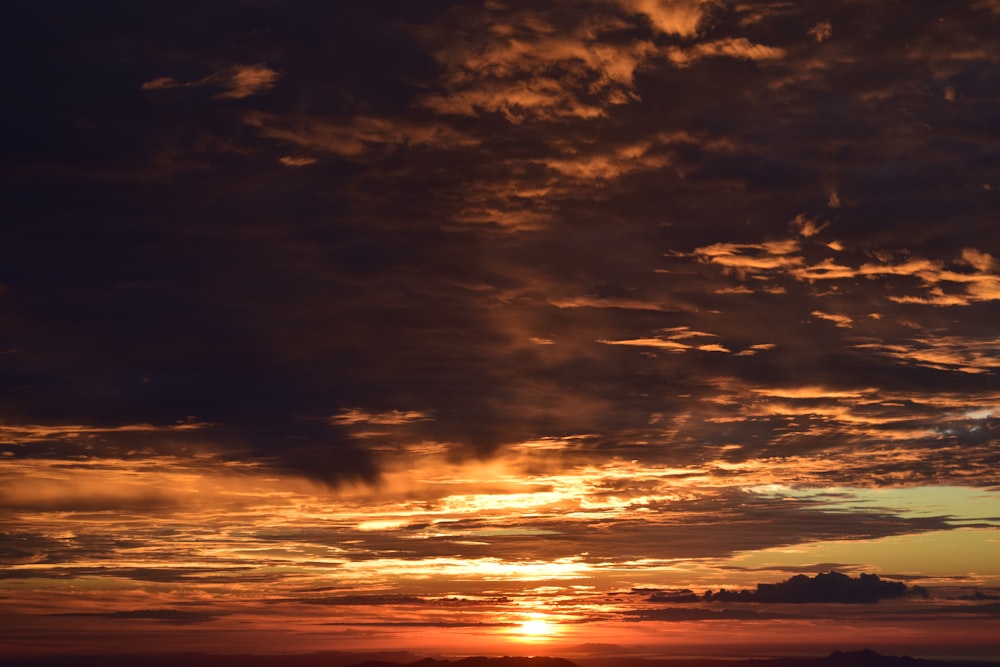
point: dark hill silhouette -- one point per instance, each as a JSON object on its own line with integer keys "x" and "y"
{"x": 864, "y": 658}
{"x": 868, "y": 658}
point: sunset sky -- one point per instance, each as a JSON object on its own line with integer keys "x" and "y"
{"x": 492, "y": 326}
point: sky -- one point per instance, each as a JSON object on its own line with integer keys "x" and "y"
{"x": 498, "y": 326}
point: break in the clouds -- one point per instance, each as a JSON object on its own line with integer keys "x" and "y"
{"x": 477, "y": 310}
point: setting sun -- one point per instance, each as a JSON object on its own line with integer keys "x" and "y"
{"x": 536, "y": 628}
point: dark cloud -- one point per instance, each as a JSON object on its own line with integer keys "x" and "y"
{"x": 184, "y": 271}
{"x": 828, "y": 587}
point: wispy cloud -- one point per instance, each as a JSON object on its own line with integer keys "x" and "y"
{"x": 237, "y": 82}
{"x": 358, "y": 136}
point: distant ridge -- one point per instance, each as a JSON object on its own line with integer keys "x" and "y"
{"x": 869, "y": 658}
{"x": 863, "y": 658}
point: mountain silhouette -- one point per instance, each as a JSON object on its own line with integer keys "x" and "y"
{"x": 869, "y": 658}
{"x": 863, "y": 658}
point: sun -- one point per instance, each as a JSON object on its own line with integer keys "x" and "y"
{"x": 536, "y": 627}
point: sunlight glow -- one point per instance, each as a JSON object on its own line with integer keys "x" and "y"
{"x": 535, "y": 628}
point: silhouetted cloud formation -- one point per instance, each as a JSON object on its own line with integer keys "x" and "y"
{"x": 828, "y": 587}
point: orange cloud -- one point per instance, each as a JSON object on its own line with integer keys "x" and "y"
{"x": 822, "y": 31}
{"x": 526, "y": 65}
{"x": 784, "y": 258}
{"x": 244, "y": 81}
{"x": 980, "y": 261}
{"x": 671, "y": 341}
{"x": 740, "y": 48}
{"x": 751, "y": 258}
{"x": 597, "y": 302}
{"x": 826, "y": 269}
{"x": 948, "y": 353}
{"x": 509, "y": 220}
{"x": 516, "y": 101}
{"x": 296, "y": 161}
{"x": 842, "y": 321}
{"x": 359, "y": 136}
{"x": 672, "y": 17}
{"x": 612, "y": 165}
{"x": 807, "y": 227}
{"x": 661, "y": 343}
{"x": 350, "y": 416}
{"x": 812, "y": 392}
{"x": 238, "y": 82}
{"x": 21, "y": 433}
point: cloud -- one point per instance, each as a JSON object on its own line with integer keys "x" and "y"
{"x": 162, "y": 83}
{"x": 589, "y": 301}
{"x": 24, "y": 433}
{"x": 244, "y": 81}
{"x": 829, "y": 587}
{"x": 517, "y": 193}
{"x": 238, "y": 82}
{"x": 788, "y": 259}
{"x": 351, "y": 416}
{"x": 297, "y": 161}
{"x": 807, "y": 227}
{"x": 623, "y": 160}
{"x": 660, "y": 343}
{"x": 672, "y": 341}
{"x": 981, "y": 261}
{"x": 946, "y": 353}
{"x": 822, "y": 31}
{"x": 749, "y": 258}
{"x": 531, "y": 65}
{"x": 813, "y": 392}
{"x": 671, "y": 17}
{"x": 366, "y": 600}
{"x": 503, "y": 218}
{"x": 988, "y": 5}
{"x": 357, "y": 137}
{"x": 169, "y": 616}
{"x": 516, "y": 101}
{"x": 842, "y": 321}
{"x": 739, "y": 48}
